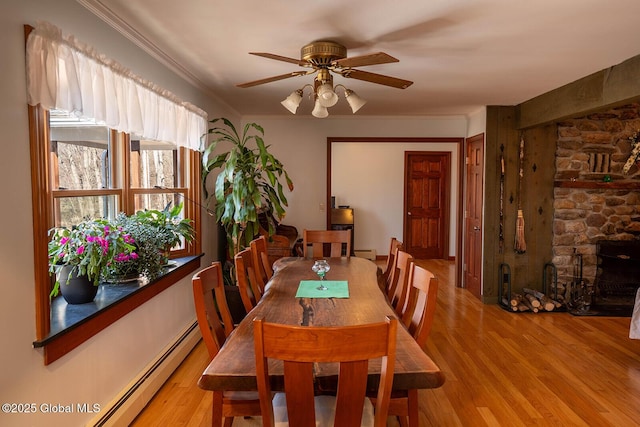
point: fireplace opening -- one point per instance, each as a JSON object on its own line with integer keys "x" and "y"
{"x": 616, "y": 283}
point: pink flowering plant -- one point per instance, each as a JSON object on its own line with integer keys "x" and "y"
{"x": 90, "y": 247}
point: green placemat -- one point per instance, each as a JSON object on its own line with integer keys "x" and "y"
{"x": 336, "y": 289}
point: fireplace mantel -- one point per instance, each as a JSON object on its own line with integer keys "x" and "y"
{"x": 598, "y": 185}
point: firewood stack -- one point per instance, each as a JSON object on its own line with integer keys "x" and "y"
{"x": 534, "y": 301}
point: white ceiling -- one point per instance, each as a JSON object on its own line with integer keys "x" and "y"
{"x": 460, "y": 54}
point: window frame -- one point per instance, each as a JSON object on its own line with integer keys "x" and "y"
{"x": 43, "y": 197}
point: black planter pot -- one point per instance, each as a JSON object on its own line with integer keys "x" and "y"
{"x": 76, "y": 289}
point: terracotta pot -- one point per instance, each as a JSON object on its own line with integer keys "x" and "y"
{"x": 78, "y": 289}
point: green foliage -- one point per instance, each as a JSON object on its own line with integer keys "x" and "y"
{"x": 150, "y": 247}
{"x": 103, "y": 249}
{"x": 248, "y": 181}
{"x": 169, "y": 225}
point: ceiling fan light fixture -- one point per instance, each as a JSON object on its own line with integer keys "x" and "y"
{"x": 325, "y": 57}
{"x": 355, "y": 102}
{"x": 319, "y": 110}
{"x": 292, "y": 102}
{"x": 326, "y": 96}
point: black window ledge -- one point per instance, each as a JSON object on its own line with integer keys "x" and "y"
{"x": 72, "y": 324}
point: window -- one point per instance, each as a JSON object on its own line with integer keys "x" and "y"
{"x": 83, "y": 169}
{"x": 135, "y": 148}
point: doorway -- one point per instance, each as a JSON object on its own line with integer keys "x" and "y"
{"x": 426, "y": 204}
{"x": 375, "y": 178}
{"x": 472, "y": 269}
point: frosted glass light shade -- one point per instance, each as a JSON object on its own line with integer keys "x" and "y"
{"x": 326, "y": 95}
{"x": 292, "y": 102}
{"x": 319, "y": 110}
{"x": 355, "y": 102}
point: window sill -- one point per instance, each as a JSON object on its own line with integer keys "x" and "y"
{"x": 71, "y": 325}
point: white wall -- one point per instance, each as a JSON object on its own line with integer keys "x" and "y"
{"x": 373, "y": 187}
{"x": 477, "y": 122}
{"x": 300, "y": 142}
{"x": 100, "y": 368}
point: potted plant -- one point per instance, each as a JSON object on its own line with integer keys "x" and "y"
{"x": 85, "y": 251}
{"x": 170, "y": 227}
{"x": 248, "y": 182}
{"x": 150, "y": 247}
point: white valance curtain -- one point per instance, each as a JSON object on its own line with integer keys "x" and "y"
{"x": 63, "y": 73}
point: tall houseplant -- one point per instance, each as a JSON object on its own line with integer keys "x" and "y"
{"x": 247, "y": 184}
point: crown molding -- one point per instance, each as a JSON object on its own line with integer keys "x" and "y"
{"x": 112, "y": 19}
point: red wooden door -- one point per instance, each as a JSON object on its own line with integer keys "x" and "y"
{"x": 473, "y": 216}
{"x": 426, "y": 210}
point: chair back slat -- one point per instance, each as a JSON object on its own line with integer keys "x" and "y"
{"x": 351, "y": 392}
{"x": 299, "y": 376}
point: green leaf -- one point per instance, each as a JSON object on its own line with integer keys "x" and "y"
{"x": 272, "y": 177}
{"x": 220, "y": 187}
{"x": 283, "y": 198}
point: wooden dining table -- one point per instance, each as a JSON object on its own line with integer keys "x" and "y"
{"x": 233, "y": 368}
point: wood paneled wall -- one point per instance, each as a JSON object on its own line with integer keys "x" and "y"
{"x": 535, "y": 120}
{"x": 537, "y": 201}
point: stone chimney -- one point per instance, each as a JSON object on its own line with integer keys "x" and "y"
{"x": 593, "y": 199}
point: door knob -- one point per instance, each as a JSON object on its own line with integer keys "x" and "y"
{"x": 476, "y": 228}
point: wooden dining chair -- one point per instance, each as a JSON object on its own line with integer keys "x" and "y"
{"x": 250, "y": 292}
{"x": 400, "y": 282}
{"x": 336, "y": 240}
{"x": 301, "y": 348}
{"x": 423, "y": 291}
{"x": 384, "y": 278}
{"x": 263, "y": 269}
{"x": 215, "y": 323}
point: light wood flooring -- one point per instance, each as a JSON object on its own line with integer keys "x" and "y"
{"x": 501, "y": 368}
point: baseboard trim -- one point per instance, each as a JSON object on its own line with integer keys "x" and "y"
{"x": 132, "y": 400}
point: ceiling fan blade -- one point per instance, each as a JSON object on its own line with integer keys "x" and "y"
{"x": 281, "y": 58}
{"x": 273, "y": 79}
{"x": 359, "y": 61}
{"x": 376, "y": 78}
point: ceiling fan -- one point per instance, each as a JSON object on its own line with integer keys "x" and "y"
{"x": 331, "y": 56}
{"x": 325, "y": 57}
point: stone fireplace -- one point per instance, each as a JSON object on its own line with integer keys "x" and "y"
{"x": 593, "y": 200}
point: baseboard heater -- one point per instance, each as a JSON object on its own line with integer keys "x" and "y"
{"x": 128, "y": 404}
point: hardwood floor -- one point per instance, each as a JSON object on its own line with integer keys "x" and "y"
{"x": 501, "y": 368}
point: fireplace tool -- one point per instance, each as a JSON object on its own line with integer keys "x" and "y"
{"x": 581, "y": 292}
